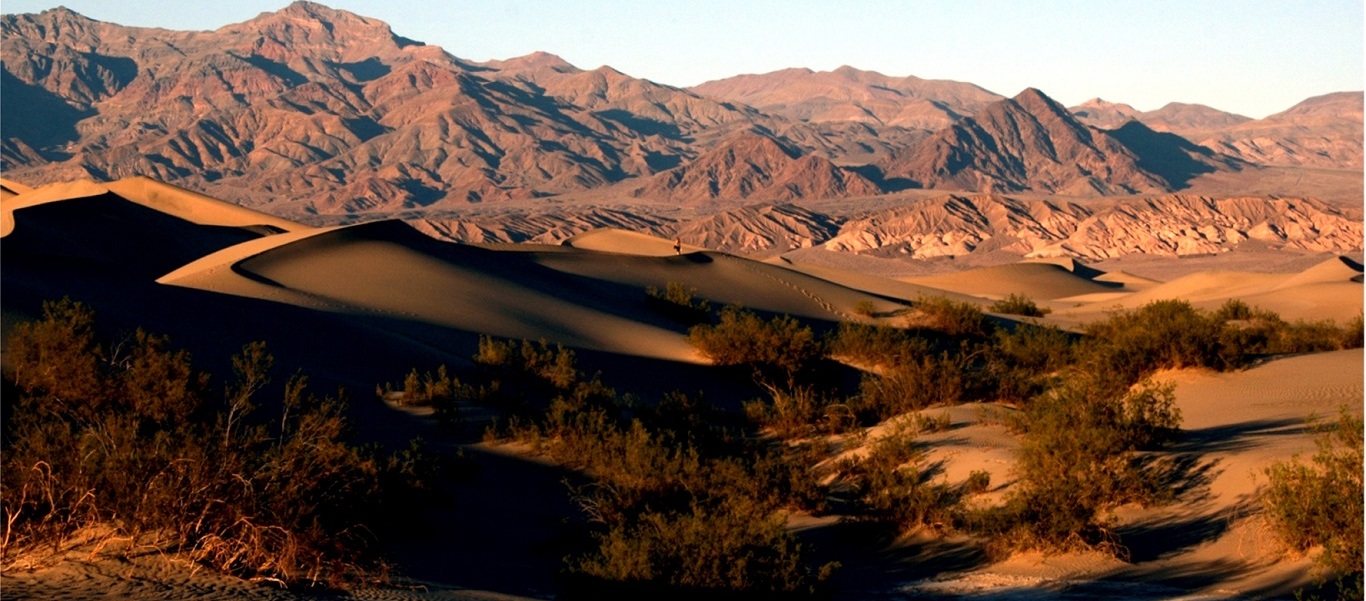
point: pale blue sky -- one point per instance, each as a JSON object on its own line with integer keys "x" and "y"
{"x": 1251, "y": 57}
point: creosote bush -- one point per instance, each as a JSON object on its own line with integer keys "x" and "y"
{"x": 1020, "y": 364}
{"x": 876, "y": 347}
{"x": 912, "y": 385}
{"x": 129, "y": 437}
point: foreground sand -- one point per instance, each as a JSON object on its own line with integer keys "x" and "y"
{"x": 396, "y": 298}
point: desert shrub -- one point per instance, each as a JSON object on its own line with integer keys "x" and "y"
{"x": 780, "y": 345}
{"x": 733, "y": 547}
{"x": 1235, "y": 309}
{"x": 683, "y": 503}
{"x": 136, "y": 443}
{"x": 1353, "y": 332}
{"x": 520, "y": 377}
{"x": 1319, "y": 503}
{"x": 889, "y": 485}
{"x": 1303, "y": 336}
{"x": 876, "y": 346}
{"x": 1162, "y": 334}
{"x": 951, "y": 317}
{"x": 679, "y": 302}
{"x": 1020, "y": 364}
{"x": 59, "y": 354}
{"x": 694, "y": 418}
{"x": 672, "y": 518}
{"x": 439, "y": 390}
{"x": 1080, "y": 458}
{"x": 924, "y": 422}
{"x": 914, "y": 384}
{"x": 798, "y": 411}
{"x": 1018, "y": 304}
{"x": 979, "y": 481}
{"x": 865, "y": 308}
{"x": 1248, "y": 332}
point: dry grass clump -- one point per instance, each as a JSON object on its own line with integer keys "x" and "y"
{"x": 1318, "y": 504}
{"x": 129, "y": 437}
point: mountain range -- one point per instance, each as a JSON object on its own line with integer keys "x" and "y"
{"x": 321, "y": 113}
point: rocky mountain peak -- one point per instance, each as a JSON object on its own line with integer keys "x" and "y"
{"x": 536, "y": 60}
{"x": 1101, "y": 113}
{"x": 1028, "y": 142}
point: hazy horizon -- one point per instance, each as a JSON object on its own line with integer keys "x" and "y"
{"x": 1249, "y": 58}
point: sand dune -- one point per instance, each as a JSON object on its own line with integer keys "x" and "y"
{"x": 724, "y": 279}
{"x": 195, "y": 207}
{"x": 158, "y": 196}
{"x": 904, "y": 291}
{"x": 1333, "y": 271}
{"x": 1330, "y": 290}
{"x": 1130, "y": 281}
{"x": 10, "y": 188}
{"x": 45, "y": 194}
{"x": 624, "y": 242}
{"x": 390, "y": 269}
{"x": 1038, "y": 281}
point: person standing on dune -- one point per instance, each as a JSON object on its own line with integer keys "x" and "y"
{"x": 678, "y": 246}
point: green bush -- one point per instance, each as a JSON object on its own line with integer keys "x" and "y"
{"x": 1019, "y": 304}
{"x": 127, "y": 437}
{"x": 1319, "y": 503}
